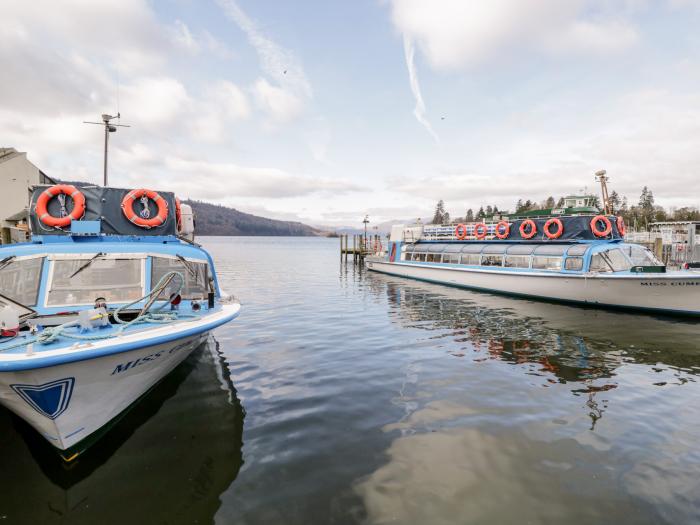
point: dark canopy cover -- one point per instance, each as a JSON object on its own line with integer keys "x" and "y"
{"x": 105, "y": 205}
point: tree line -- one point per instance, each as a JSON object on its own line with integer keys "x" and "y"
{"x": 638, "y": 215}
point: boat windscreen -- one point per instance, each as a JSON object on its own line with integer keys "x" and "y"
{"x": 20, "y": 278}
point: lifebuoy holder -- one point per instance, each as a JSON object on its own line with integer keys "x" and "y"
{"x": 597, "y": 231}
{"x": 502, "y": 230}
{"x": 42, "y": 205}
{"x": 556, "y": 234}
{"x": 480, "y": 230}
{"x": 533, "y": 229}
{"x": 139, "y": 219}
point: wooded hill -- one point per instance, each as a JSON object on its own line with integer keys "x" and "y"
{"x": 212, "y": 219}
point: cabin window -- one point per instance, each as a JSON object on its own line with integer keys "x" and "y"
{"x": 492, "y": 260}
{"x": 419, "y": 257}
{"x": 450, "y": 258}
{"x": 546, "y": 263}
{"x": 19, "y": 279}
{"x": 117, "y": 280}
{"x": 517, "y": 261}
{"x": 432, "y": 257}
{"x": 195, "y": 274}
{"x": 577, "y": 249}
{"x": 573, "y": 263}
{"x": 470, "y": 258}
{"x": 408, "y": 256}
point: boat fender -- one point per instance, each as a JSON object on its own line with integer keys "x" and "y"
{"x": 595, "y": 223}
{"x": 461, "y": 232}
{"x": 532, "y": 229}
{"x": 556, "y": 234}
{"x": 145, "y": 221}
{"x": 71, "y": 191}
{"x": 480, "y": 230}
{"x": 502, "y": 229}
{"x": 621, "y": 226}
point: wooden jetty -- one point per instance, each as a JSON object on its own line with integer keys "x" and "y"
{"x": 361, "y": 247}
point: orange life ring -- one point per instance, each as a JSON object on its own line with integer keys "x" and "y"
{"x": 178, "y": 214}
{"x": 145, "y": 222}
{"x": 621, "y": 226}
{"x": 506, "y": 231}
{"x": 480, "y": 230}
{"x": 597, "y": 231}
{"x": 461, "y": 232}
{"x": 71, "y": 191}
{"x": 533, "y": 229}
{"x": 556, "y": 234}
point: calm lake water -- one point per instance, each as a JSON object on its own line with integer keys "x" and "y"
{"x": 343, "y": 396}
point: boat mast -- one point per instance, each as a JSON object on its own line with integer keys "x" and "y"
{"x": 109, "y": 128}
{"x": 601, "y": 176}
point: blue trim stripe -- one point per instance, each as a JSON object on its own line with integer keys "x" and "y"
{"x": 85, "y": 354}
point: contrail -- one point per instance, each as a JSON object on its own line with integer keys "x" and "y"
{"x": 419, "y": 110}
{"x": 279, "y": 63}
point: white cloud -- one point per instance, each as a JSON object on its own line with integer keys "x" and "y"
{"x": 292, "y": 89}
{"x": 454, "y": 34}
{"x": 281, "y": 105}
{"x": 155, "y": 101}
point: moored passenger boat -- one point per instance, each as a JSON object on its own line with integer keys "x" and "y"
{"x": 107, "y": 298}
{"x": 578, "y": 259}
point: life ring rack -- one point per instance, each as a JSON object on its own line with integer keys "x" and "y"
{"x": 141, "y": 220}
{"x": 42, "y": 205}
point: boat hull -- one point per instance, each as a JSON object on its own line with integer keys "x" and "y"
{"x": 78, "y": 399}
{"x": 70, "y": 394}
{"x": 666, "y": 293}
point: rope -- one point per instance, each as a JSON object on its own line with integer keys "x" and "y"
{"x": 152, "y": 315}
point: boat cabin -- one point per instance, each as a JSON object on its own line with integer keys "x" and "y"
{"x": 601, "y": 257}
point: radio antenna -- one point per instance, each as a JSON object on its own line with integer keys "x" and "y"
{"x": 109, "y": 128}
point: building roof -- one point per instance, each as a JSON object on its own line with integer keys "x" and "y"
{"x": 9, "y": 153}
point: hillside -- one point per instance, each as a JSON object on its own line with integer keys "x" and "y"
{"x": 212, "y": 219}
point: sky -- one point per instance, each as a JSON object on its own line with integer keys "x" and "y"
{"x": 324, "y": 111}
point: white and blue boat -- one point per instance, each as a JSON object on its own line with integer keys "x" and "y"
{"x": 580, "y": 259}
{"x": 106, "y": 299}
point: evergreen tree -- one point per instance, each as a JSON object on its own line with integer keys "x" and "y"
{"x": 489, "y": 211}
{"x": 439, "y": 212}
{"x": 560, "y": 202}
{"x": 495, "y": 210}
{"x": 519, "y": 206}
{"x": 470, "y": 216}
{"x": 614, "y": 201}
{"x": 528, "y": 205}
{"x": 480, "y": 214}
{"x": 549, "y": 203}
{"x": 446, "y": 218}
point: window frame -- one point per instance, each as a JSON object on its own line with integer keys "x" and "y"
{"x": 42, "y": 266}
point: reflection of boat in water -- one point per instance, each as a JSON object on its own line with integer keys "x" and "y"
{"x": 565, "y": 342}
{"x": 150, "y": 468}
